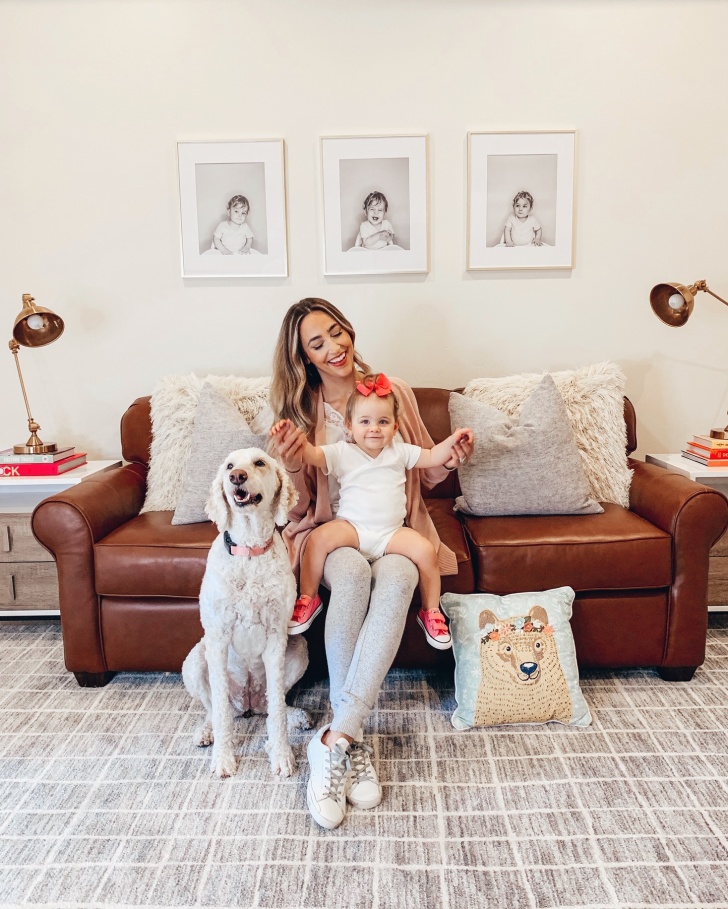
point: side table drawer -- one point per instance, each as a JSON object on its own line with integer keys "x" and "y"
{"x": 17, "y": 543}
{"x": 28, "y": 585}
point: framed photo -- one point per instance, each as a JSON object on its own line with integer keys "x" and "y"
{"x": 521, "y": 200}
{"x": 233, "y": 209}
{"x": 375, "y": 205}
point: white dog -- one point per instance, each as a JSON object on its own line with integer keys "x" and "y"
{"x": 246, "y": 661}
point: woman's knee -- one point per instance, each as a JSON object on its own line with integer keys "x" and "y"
{"x": 397, "y": 573}
{"x": 346, "y": 566}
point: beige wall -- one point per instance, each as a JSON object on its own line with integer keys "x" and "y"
{"x": 94, "y": 96}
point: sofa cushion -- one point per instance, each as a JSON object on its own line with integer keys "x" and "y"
{"x": 522, "y": 465}
{"x": 449, "y": 528}
{"x": 148, "y": 556}
{"x": 514, "y": 659}
{"x": 173, "y": 408}
{"x": 616, "y": 550}
{"x": 219, "y": 429}
{"x": 594, "y": 400}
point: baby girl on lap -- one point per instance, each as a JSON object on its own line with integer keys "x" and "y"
{"x": 372, "y": 506}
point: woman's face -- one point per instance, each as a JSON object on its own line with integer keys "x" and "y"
{"x": 326, "y": 344}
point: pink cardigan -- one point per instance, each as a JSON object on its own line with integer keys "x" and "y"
{"x": 313, "y": 507}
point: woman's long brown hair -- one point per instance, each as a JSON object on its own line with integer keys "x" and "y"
{"x": 294, "y": 388}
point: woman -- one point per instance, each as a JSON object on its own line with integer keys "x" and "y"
{"x": 315, "y": 369}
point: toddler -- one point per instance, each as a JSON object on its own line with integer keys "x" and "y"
{"x": 234, "y": 237}
{"x": 372, "y": 503}
{"x": 522, "y": 228}
{"x": 376, "y": 232}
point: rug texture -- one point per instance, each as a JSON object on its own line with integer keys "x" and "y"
{"x": 105, "y": 802}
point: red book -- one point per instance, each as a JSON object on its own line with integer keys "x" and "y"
{"x": 706, "y": 462}
{"x": 42, "y": 470}
{"x": 712, "y": 454}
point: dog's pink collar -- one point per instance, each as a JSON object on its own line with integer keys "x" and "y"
{"x": 248, "y": 551}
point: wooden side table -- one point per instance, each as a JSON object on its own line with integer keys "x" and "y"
{"x": 716, "y": 478}
{"x": 28, "y": 578}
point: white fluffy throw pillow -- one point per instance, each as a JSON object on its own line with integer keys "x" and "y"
{"x": 174, "y": 405}
{"x": 593, "y": 396}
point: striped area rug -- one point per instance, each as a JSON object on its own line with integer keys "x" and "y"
{"x": 105, "y": 802}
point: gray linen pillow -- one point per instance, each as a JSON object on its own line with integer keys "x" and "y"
{"x": 524, "y": 465}
{"x": 219, "y": 429}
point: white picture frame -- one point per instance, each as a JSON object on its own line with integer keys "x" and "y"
{"x": 212, "y": 175}
{"x": 357, "y": 168}
{"x": 504, "y": 170}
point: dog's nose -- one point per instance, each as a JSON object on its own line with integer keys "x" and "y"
{"x": 238, "y": 477}
{"x": 528, "y": 668}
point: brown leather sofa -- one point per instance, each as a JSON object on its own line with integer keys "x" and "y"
{"x": 129, "y": 582}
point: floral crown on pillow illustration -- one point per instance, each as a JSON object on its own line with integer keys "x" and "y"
{"x": 493, "y": 632}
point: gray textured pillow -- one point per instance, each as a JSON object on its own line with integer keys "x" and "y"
{"x": 524, "y": 465}
{"x": 219, "y": 429}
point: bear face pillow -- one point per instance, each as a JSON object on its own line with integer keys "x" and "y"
{"x": 515, "y": 660}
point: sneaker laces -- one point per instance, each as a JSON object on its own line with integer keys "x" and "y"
{"x": 337, "y": 770}
{"x": 437, "y": 623}
{"x": 361, "y": 762}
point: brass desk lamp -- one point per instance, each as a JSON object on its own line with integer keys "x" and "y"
{"x": 673, "y": 303}
{"x": 35, "y": 326}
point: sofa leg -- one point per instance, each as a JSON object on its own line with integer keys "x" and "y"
{"x": 676, "y": 673}
{"x": 94, "y": 679}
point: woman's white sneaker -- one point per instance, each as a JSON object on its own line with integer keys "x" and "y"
{"x": 327, "y": 783}
{"x": 363, "y": 789}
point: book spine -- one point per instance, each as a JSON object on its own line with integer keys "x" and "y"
{"x": 704, "y": 461}
{"x": 34, "y": 459}
{"x": 712, "y": 444}
{"x": 712, "y": 454}
{"x": 39, "y": 470}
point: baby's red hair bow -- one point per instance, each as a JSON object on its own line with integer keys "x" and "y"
{"x": 381, "y": 386}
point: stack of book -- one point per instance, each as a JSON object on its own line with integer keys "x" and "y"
{"x": 705, "y": 450}
{"x": 40, "y": 465}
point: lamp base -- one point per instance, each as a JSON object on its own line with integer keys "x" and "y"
{"x": 719, "y": 433}
{"x": 40, "y": 448}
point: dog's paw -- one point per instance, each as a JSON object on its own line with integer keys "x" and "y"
{"x": 296, "y": 718}
{"x": 282, "y": 761}
{"x": 202, "y": 736}
{"x": 224, "y": 765}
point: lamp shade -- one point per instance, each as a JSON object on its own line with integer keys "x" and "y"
{"x": 672, "y": 303}
{"x": 36, "y": 326}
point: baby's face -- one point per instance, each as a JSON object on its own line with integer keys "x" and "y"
{"x": 372, "y": 424}
{"x": 238, "y": 213}
{"x": 522, "y": 208}
{"x": 376, "y": 213}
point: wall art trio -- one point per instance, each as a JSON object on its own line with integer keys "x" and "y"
{"x": 520, "y": 204}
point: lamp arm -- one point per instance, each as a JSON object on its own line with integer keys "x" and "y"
{"x": 709, "y": 291}
{"x": 15, "y": 347}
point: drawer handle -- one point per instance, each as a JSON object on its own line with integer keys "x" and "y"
{"x": 10, "y": 584}
{"x": 5, "y": 535}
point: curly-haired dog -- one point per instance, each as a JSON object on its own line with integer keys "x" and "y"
{"x": 521, "y": 677}
{"x": 246, "y": 661}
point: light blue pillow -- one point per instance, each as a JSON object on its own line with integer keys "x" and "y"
{"x": 515, "y": 660}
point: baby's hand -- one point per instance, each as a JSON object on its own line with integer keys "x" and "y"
{"x": 280, "y": 426}
{"x": 463, "y": 436}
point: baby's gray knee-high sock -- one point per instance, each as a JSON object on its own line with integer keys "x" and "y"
{"x": 394, "y": 579}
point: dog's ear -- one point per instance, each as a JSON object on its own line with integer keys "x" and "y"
{"x": 217, "y": 506}
{"x": 287, "y": 496}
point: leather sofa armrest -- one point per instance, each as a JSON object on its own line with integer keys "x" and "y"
{"x": 695, "y": 516}
{"x": 68, "y": 525}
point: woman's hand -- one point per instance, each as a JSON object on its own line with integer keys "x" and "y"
{"x": 290, "y": 443}
{"x": 461, "y": 449}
